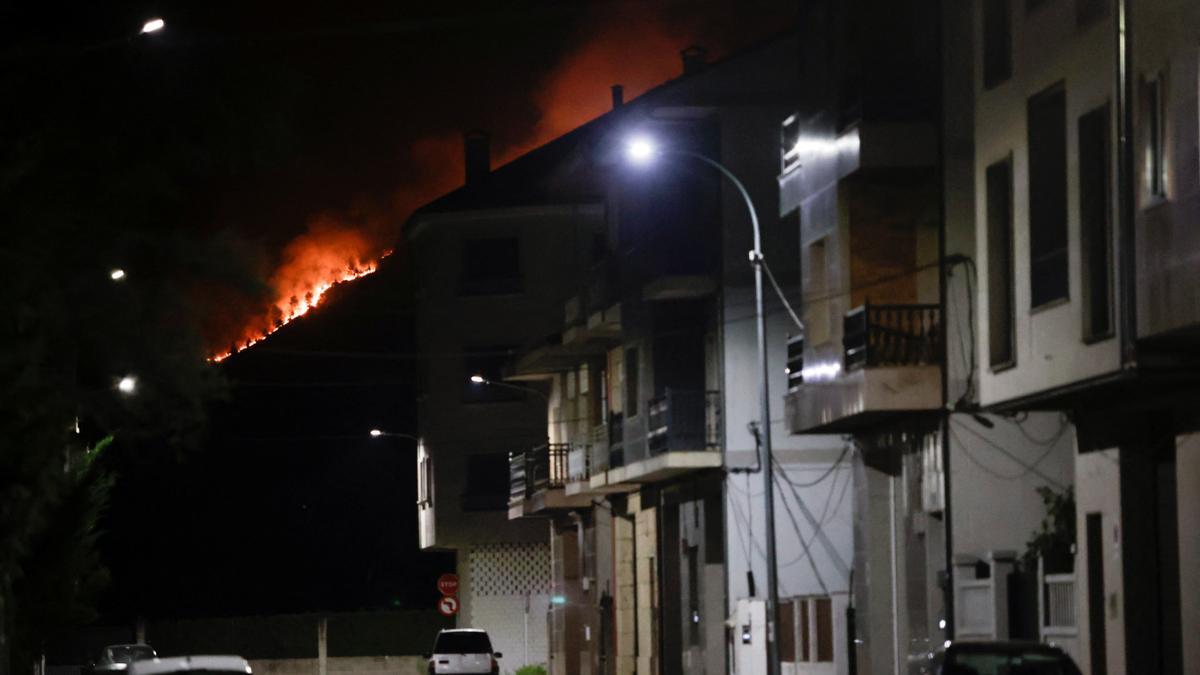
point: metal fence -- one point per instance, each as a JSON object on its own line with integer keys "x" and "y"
{"x": 891, "y": 335}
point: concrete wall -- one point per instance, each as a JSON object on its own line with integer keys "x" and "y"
{"x": 1098, "y": 490}
{"x": 343, "y": 665}
{"x": 1047, "y": 48}
{"x": 1187, "y": 475}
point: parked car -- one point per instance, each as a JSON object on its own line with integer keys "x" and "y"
{"x": 1000, "y": 658}
{"x": 217, "y": 665}
{"x": 118, "y": 657}
{"x": 463, "y": 650}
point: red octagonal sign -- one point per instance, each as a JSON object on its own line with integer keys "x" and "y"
{"x": 448, "y": 584}
{"x": 448, "y": 605}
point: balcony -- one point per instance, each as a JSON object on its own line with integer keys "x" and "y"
{"x": 890, "y": 365}
{"x": 536, "y": 478}
{"x": 683, "y": 434}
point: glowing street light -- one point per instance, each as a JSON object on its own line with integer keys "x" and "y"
{"x": 127, "y": 384}
{"x": 117, "y": 274}
{"x": 153, "y": 25}
{"x": 376, "y": 433}
{"x": 478, "y": 379}
{"x": 640, "y": 150}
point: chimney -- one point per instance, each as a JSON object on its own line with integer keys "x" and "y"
{"x": 695, "y": 58}
{"x": 477, "y": 155}
{"x": 618, "y": 96}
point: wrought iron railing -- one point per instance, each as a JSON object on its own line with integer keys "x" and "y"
{"x": 683, "y": 419}
{"x": 616, "y": 440}
{"x": 891, "y": 335}
{"x": 518, "y": 476}
{"x": 598, "y": 453}
{"x": 543, "y": 467}
{"x": 795, "y": 361}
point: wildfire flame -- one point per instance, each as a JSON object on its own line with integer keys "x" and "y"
{"x": 330, "y": 253}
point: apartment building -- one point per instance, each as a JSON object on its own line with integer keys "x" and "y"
{"x": 651, "y": 480}
{"x": 1087, "y": 201}
{"x": 489, "y": 260}
{"x": 878, "y": 162}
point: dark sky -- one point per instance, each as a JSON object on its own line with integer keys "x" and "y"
{"x": 350, "y": 114}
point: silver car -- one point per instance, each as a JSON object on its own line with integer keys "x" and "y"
{"x": 463, "y": 650}
{"x": 115, "y": 658}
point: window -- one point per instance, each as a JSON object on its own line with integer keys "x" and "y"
{"x": 1153, "y": 123}
{"x": 424, "y": 476}
{"x": 997, "y": 42}
{"x": 631, "y": 382}
{"x": 1088, "y": 12}
{"x": 787, "y": 632}
{"x": 1001, "y": 350}
{"x": 806, "y": 630}
{"x": 486, "y": 482}
{"x": 1095, "y": 223}
{"x": 488, "y": 362}
{"x": 490, "y": 267}
{"x": 570, "y": 385}
{"x": 1048, "y": 281}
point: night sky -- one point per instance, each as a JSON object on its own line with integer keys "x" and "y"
{"x": 320, "y": 126}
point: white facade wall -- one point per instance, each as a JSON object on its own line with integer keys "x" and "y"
{"x": 1048, "y": 48}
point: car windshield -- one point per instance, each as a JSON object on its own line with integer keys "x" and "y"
{"x": 463, "y": 643}
{"x": 130, "y": 653}
{"x": 1007, "y": 663}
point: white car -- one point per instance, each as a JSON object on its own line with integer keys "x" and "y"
{"x": 217, "y": 665}
{"x": 463, "y": 650}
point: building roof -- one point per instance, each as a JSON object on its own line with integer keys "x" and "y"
{"x": 528, "y": 179}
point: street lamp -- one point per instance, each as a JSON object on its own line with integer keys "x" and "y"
{"x": 153, "y": 25}
{"x": 117, "y": 274}
{"x": 480, "y": 379}
{"x": 642, "y": 150}
{"x": 376, "y": 433}
{"x": 127, "y": 384}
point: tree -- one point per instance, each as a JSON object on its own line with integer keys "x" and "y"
{"x": 110, "y": 160}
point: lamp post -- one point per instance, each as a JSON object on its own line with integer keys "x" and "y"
{"x": 481, "y": 380}
{"x": 643, "y": 150}
{"x": 376, "y": 433}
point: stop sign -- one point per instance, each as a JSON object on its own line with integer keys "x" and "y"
{"x": 448, "y": 584}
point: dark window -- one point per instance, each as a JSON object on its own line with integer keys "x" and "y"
{"x": 824, "y": 617}
{"x": 805, "y": 631}
{"x": 490, "y": 267}
{"x": 631, "y": 382}
{"x": 1095, "y": 223}
{"x": 787, "y": 631}
{"x": 997, "y": 42}
{"x": 1152, "y": 110}
{"x": 463, "y": 642}
{"x": 1001, "y": 350}
{"x": 489, "y": 363}
{"x": 486, "y": 485}
{"x": 1048, "y": 279}
{"x": 1090, "y": 11}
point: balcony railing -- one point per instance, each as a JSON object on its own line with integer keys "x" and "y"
{"x": 795, "y": 361}
{"x": 579, "y": 462}
{"x": 683, "y": 420}
{"x": 616, "y": 440}
{"x": 540, "y": 468}
{"x": 891, "y": 335}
